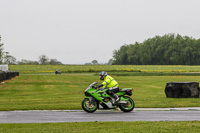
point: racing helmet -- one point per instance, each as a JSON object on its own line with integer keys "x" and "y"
{"x": 102, "y": 75}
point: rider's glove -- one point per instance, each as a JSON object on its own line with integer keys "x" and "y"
{"x": 98, "y": 86}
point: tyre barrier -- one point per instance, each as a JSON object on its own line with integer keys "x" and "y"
{"x": 182, "y": 90}
{"x": 6, "y": 75}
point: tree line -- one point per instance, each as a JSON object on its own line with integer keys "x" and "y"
{"x": 169, "y": 49}
{"x": 95, "y": 62}
{"x": 43, "y": 60}
{"x": 6, "y": 58}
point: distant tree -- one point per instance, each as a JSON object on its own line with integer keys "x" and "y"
{"x": 5, "y": 57}
{"x": 110, "y": 62}
{"x": 9, "y": 59}
{"x": 95, "y": 62}
{"x": 88, "y": 63}
{"x": 1, "y": 51}
{"x": 43, "y": 60}
{"x": 55, "y": 62}
{"x": 27, "y": 62}
{"x": 121, "y": 55}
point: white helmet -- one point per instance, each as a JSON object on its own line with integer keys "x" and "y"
{"x": 102, "y": 75}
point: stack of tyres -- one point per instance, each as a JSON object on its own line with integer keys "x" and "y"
{"x": 182, "y": 90}
{"x": 6, "y": 75}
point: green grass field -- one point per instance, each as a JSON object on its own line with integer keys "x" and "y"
{"x": 37, "y": 88}
{"x": 66, "y": 91}
{"x": 103, "y": 127}
{"x": 28, "y": 69}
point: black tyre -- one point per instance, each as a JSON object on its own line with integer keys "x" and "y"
{"x": 128, "y": 107}
{"x": 90, "y": 108}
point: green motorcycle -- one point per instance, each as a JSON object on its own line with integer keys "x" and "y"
{"x": 94, "y": 98}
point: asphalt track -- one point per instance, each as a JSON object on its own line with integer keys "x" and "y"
{"x": 46, "y": 116}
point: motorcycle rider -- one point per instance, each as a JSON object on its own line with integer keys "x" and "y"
{"x": 110, "y": 83}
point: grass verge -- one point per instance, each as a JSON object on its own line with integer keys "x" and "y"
{"x": 154, "y": 74}
{"x": 30, "y": 69}
{"x": 104, "y": 127}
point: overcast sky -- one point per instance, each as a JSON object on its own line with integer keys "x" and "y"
{"x": 79, "y": 31}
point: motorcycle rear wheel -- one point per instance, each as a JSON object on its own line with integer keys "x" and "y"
{"x": 129, "y": 107}
{"x": 90, "y": 108}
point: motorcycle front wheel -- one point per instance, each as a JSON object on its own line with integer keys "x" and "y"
{"x": 89, "y": 107}
{"x": 129, "y": 106}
